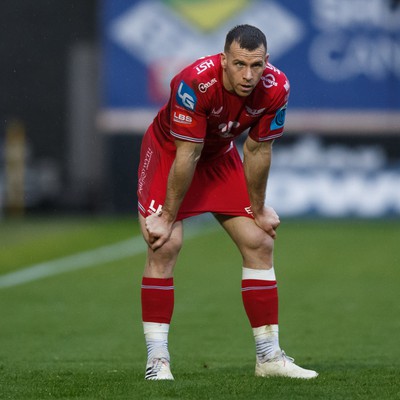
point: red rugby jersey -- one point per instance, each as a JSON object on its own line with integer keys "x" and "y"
{"x": 201, "y": 110}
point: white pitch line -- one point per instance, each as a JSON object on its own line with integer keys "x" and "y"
{"x": 86, "y": 259}
{"x": 74, "y": 262}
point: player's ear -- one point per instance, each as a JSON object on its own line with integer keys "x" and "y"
{"x": 266, "y": 58}
{"x": 223, "y": 60}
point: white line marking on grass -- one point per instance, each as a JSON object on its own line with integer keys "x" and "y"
{"x": 85, "y": 259}
{"x": 74, "y": 262}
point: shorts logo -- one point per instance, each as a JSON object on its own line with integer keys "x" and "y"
{"x": 204, "y": 86}
{"x": 143, "y": 172}
{"x": 184, "y": 119}
{"x": 152, "y": 208}
{"x": 185, "y": 96}
{"x": 248, "y": 210}
{"x": 279, "y": 119}
{"x": 269, "y": 81}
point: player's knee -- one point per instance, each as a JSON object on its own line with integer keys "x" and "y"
{"x": 161, "y": 263}
{"x": 173, "y": 246}
{"x": 263, "y": 243}
{"x": 169, "y": 252}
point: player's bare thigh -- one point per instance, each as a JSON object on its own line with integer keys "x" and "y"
{"x": 161, "y": 263}
{"x": 255, "y": 245}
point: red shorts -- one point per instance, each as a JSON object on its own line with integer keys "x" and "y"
{"x": 218, "y": 186}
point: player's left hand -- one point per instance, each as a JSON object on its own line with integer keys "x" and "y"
{"x": 268, "y": 221}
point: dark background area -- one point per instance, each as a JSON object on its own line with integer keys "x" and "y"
{"x": 36, "y": 36}
{"x": 36, "y": 41}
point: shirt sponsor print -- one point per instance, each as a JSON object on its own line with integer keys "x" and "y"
{"x": 183, "y": 119}
{"x": 185, "y": 96}
{"x": 225, "y": 129}
{"x": 204, "y": 66}
{"x": 204, "y": 86}
{"x": 273, "y": 68}
{"x": 269, "y": 81}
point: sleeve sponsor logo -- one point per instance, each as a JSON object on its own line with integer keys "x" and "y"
{"x": 185, "y": 96}
{"x": 272, "y": 68}
{"x": 269, "y": 81}
{"x": 279, "y": 119}
{"x": 204, "y": 66}
{"x": 204, "y": 86}
{"x": 183, "y": 119}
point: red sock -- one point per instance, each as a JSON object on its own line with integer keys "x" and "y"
{"x": 260, "y": 300}
{"x": 157, "y": 300}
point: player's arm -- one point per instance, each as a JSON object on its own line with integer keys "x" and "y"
{"x": 257, "y": 162}
{"x": 180, "y": 177}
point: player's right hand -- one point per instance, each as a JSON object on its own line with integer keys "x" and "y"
{"x": 159, "y": 230}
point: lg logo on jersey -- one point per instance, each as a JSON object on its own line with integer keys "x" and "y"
{"x": 185, "y": 96}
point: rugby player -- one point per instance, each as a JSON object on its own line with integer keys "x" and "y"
{"x": 190, "y": 165}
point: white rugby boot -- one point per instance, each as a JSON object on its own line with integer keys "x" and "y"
{"x": 282, "y": 365}
{"x": 158, "y": 369}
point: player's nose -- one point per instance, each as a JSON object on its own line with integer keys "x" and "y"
{"x": 248, "y": 74}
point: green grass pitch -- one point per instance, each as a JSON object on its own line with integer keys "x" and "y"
{"x": 78, "y": 335}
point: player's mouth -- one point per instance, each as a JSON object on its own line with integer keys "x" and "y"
{"x": 246, "y": 88}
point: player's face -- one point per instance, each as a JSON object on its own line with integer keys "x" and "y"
{"x": 242, "y": 69}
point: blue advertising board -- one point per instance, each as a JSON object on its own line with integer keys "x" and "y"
{"x": 337, "y": 53}
{"x": 342, "y": 58}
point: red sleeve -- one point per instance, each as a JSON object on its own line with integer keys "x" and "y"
{"x": 271, "y": 124}
{"x": 187, "y": 115}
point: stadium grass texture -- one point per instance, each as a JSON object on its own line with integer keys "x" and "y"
{"x": 78, "y": 335}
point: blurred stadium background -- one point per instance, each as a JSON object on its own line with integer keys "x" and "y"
{"x": 81, "y": 80}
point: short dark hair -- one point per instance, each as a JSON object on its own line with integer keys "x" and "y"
{"x": 249, "y": 37}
